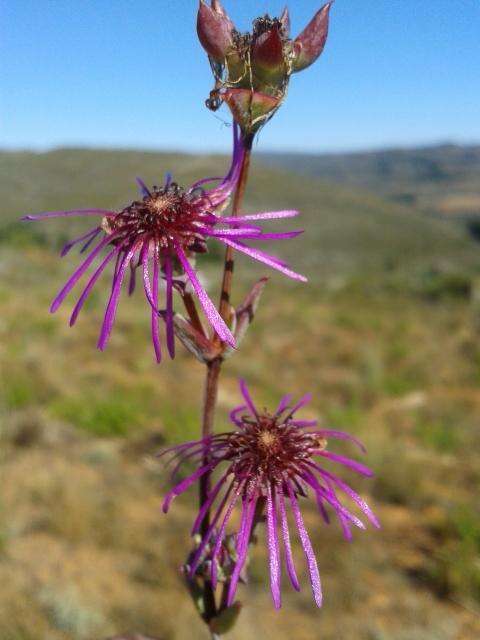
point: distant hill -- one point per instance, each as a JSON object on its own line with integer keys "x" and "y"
{"x": 347, "y": 228}
{"x": 443, "y": 179}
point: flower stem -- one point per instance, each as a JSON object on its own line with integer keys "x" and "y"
{"x": 213, "y": 376}
{"x": 224, "y": 307}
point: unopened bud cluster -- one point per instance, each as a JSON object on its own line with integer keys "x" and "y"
{"x": 252, "y": 70}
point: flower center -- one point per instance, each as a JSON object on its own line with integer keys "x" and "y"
{"x": 270, "y": 449}
{"x": 166, "y": 216}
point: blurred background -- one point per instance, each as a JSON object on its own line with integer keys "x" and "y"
{"x": 378, "y": 145}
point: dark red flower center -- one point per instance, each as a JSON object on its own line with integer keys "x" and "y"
{"x": 165, "y": 215}
{"x": 271, "y": 448}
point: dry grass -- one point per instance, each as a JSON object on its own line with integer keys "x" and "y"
{"x": 85, "y": 551}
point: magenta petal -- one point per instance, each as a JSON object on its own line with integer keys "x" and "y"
{"x": 351, "y": 464}
{"x": 208, "y": 503}
{"x": 184, "y": 485}
{"x": 304, "y": 424}
{"x": 273, "y": 550}
{"x": 220, "y": 536}
{"x": 248, "y": 398}
{"x": 90, "y": 235}
{"x": 307, "y": 548}
{"x": 211, "y": 312}
{"x": 266, "y": 215}
{"x": 145, "y": 192}
{"x": 154, "y": 313}
{"x": 329, "y": 496}
{"x": 307, "y": 398}
{"x": 284, "y": 402}
{"x": 341, "y": 435}
{"x": 72, "y": 281}
{"x": 169, "y": 307}
{"x": 111, "y": 310}
{"x": 266, "y": 259}
{"x": 206, "y": 537}
{"x": 292, "y": 574}
{"x": 353, "y": 495}
{"x": 242, "y": 551}
{"x": 91, "y": 283}
{"x": 67, "y": 214}
{"x": 234, "y": 413}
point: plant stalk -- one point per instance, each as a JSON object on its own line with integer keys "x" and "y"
{"x": 213, "y": 374}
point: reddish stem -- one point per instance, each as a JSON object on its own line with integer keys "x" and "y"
{"x": 213, "y": 374}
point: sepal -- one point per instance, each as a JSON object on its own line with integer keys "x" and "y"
{"x": 201, "y": 347}
{"x": 215, "y": 30}
{"x": 245, "y": 314}
{"x": 309, "y": 45}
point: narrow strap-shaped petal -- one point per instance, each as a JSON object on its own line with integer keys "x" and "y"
{"x": 262, "y": 257}
{"x": 273, "y": 549}
{"x": 144, "y": 190}
{"x": 203, "y": 181}
{"x": 249, "y": 513}
{"x": 307, "y": 548}
{"x": 91, "y": 283}
{"x": 304, "y": 424}
{"x": 306, "y": 399}
{"x": 146, "y": 277}
{"x": 248, "y": 399}
{"x": 154, "y": 315}
{"x": 86, "y": 236}
{"x": 292, "y": 574}
{"x": 206, "y": 537}
{"x": 169, "y": 306}
{"x": 78, "y": 273}
{"x": 211, "y": 312}
{"x": 342, "y": 435}
{"x": 208, "y": 503}
{"x": 330, "y": 496}
{"x": 347, "y": 462}
{"x": 111, "y": 310}
{"x": 68, "y": 214}
{"x": 241, "y": 232}
{"x": 284, "y": 402}
{"x": 184, "y": 485}
{"x": 265, "y": 215}
{"x": 234, "y": 415}
{"x": 245, "y": 234}
{"x": 359, "y": 501}
{"x": 220, "y": 536}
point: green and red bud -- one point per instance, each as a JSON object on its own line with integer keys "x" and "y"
{"x": 214, "y": 30}
{"x": 310, "y": 44}
{"x": 252, "y": 71}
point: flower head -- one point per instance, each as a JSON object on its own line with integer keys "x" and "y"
{"x": 161, "y": 233}
{"x": 271, "y": 461}
{"x": 252, "y": 71}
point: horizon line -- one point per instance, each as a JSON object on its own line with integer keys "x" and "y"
{"x": 355, "y": 150}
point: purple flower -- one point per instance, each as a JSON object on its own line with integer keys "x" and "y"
{"x": 160, "y": 234}
{"x": 272, "y": 460}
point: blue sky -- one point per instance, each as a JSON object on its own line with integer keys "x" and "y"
{"x": 130, "y": 73}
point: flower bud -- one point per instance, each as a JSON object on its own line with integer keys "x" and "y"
{"x": 252, "y": 70}
{"x": 268, "y": 55}
{"x": 250, "y": 109}
{"x": 214, "y": 30}
{"x": 311, "y": 42}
